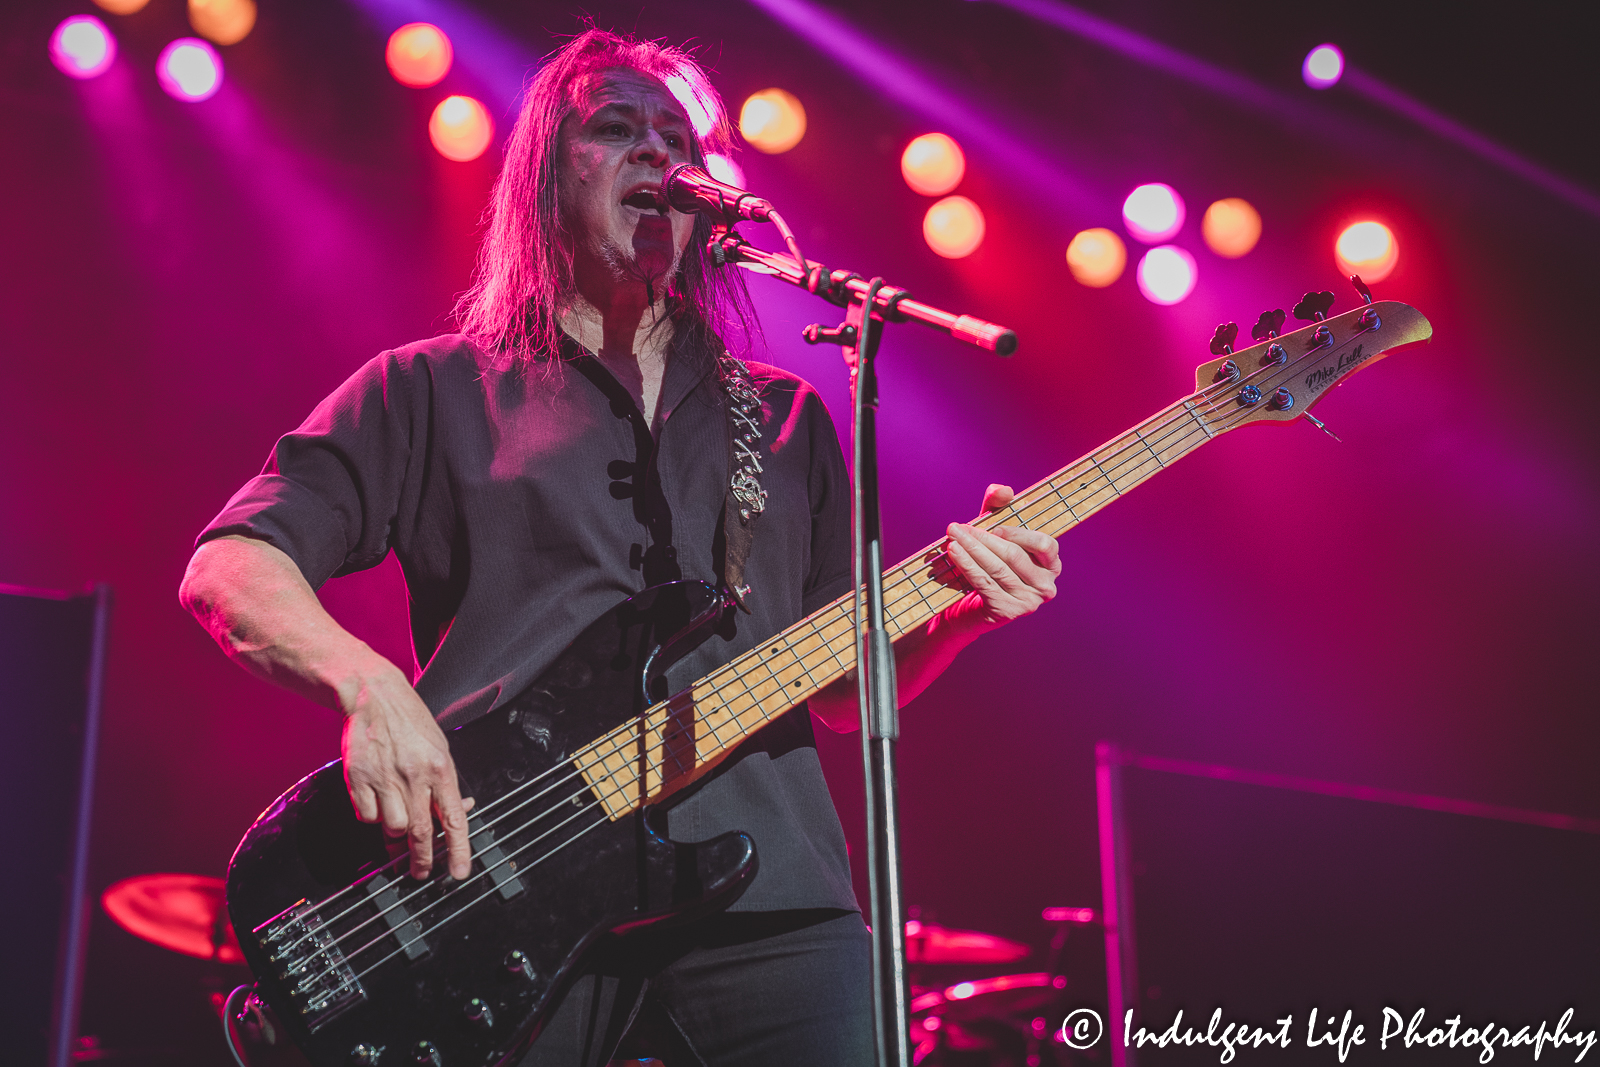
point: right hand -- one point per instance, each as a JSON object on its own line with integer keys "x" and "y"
{"x": 398, "y": 769}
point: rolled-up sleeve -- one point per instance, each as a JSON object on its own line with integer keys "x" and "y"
{"x": 332, "y": 490}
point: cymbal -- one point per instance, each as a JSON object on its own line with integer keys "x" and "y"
{"x": 932, "y": 943}
{"x": 990, "y": 998}
{"x": 183, "y": 912}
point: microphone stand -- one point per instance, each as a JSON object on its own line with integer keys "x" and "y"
{"x": 868, "y": 305}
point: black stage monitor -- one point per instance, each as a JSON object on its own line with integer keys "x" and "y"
{"x": 52, "y": 666}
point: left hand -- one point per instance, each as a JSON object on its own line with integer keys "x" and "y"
{"x": 1011, "y": 571}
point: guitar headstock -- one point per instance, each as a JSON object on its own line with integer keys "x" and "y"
{"x": 1281, "y": 378}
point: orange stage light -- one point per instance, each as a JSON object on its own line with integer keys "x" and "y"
{"x": 772, "y": 121}
{"x": 460, "y": 128}
{"x": 122, "y": 7}
{"x": 419, "y": 55}
{"x": 1231, "y": 227}
{"x": 953, "y": 227}
{"x": 933, "y": 164}
{"x": 1368, "y": 249}
{"x": 1097, "y": 257}
{"x": 222, "y": 21}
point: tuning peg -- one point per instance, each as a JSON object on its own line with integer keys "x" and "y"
{"x": 1314, "y": 307}
{"x": 1222, "y": 340}
{"x": 1361, "y": 287}
{"x": 1270, "y": 324}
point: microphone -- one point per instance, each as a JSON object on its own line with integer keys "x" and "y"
{"x": 690, "y": 189}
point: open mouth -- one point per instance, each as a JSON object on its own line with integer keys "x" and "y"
{"x": 646, "y": 200}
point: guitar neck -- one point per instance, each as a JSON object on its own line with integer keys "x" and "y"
{"x": 681, "y": 739}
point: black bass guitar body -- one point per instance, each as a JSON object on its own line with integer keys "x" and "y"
{"x": 365, "y": 966}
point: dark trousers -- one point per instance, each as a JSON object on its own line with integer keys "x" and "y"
{"x": 747, "y": 988}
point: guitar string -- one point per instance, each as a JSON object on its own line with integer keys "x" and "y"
{"x": 1178, "y": 410}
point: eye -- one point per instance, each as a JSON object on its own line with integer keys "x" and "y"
{"x": 614, "y": 129}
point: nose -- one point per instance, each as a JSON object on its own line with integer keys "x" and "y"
{"x": 651, "y": 150}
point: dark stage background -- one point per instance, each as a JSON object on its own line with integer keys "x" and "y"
{"x": 1413, "y": 608}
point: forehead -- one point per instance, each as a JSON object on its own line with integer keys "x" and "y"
{"x": 624, "y": 87}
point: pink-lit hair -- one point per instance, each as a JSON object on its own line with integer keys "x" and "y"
{"x": 524, "y": 278}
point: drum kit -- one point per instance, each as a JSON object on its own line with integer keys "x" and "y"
{"x": 1005, "y": 1020}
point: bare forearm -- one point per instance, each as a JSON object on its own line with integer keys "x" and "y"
{"x": 397, "y": 764}
{"x": 254, "y": 601}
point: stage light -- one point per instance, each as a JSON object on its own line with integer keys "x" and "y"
{"x": 82, "y": 47}
{"x": 1368, "y": 249}
{"x": 1324, "y": 66}
{"x": 953, "y": 227}
{"x": 189, "y": 69}
{"x": 772, "y": 121}
{"x": 1153, "y": 213}
{"x": 725, "y": 170}
{"x": 418, "y": 55}
{"x": 1166, "y": 275}
{"x": 122, "y": 7}
{"x": 933, "y": 164}
{"x": 960, "y": 991}
{"x": 460, "y": 128}
{"x": 1096, "y": 257}
{"x": 1231, "y": 227}
{"x": 223, "y": 21}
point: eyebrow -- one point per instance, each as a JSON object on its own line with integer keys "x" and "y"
{"x": 633, "y": 112}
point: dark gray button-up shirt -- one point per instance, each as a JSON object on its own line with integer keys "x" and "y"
{"x": 525, "y": 501}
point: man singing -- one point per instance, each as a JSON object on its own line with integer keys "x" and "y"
{"x": 564, "y": 451}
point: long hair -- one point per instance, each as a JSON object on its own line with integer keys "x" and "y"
{"x": 524, "y": 279}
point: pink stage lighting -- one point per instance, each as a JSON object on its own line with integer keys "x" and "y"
{"x": 223, "y": 21}
{"x": 1231, "y": 227}
{"x": 82, "y": 47}
{"x": 1324, "y": 66}
{"x": 1153, "y": 213}
{"x": 190, "y": 69}
{"x": 1167, "y": 275}
{"x": 933, "y": 164}
{"x": 418, "y": 55}
{"x": 1368, "y": 249}
{"x": 725, "y": 170}
{"x": 460, "y": 128}
{"x": 1096, "y": 257}
{"x": 773, "y": 121}
{"x": 953, "y": 227}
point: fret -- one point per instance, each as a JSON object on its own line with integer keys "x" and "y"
{"x": 1153, "y": 453}
{"x": 1194, "y": 413}
{"x": 1056, "y": 489}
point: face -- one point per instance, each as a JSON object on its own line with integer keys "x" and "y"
{"x": 616, "y": 146}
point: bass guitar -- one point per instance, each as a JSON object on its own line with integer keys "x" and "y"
{"x": 365, "y": 966}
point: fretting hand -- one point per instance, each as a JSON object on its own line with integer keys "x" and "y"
{"x": 1010, "y": 571}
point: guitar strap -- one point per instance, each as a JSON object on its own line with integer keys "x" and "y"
{"x": 745, "y": 499}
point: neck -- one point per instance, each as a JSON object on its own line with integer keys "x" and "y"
{"x": 629, "y": 332}
{"x": 617, "y": 313}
